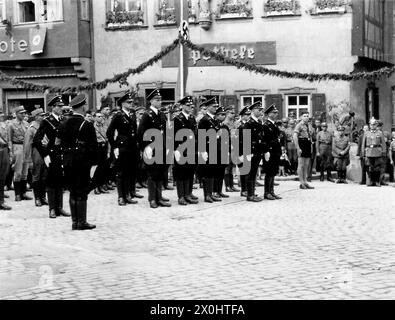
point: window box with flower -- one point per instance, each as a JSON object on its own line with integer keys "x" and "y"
{"x": 282, "y": 8}
{"x": 330, "y": 6}
{"x": 124, "y": 19}
{"x": 229, "y": 9}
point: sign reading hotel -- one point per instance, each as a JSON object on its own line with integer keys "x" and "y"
{"x": 11, "y": 46}
{"x": 259, "y": 53}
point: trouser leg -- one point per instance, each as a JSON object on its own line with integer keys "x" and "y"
{"x": 152, "y": 192}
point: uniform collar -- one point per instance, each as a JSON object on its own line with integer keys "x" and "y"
{"x": 254, "y": 118}
{"x": 126, "y": 112}
{"x": 154, "y": 110}
{"x": 210, "y": 115}
{"x": 270, "y": 121}
{"x": 78, "y": 114}
{"x": 56, "y": 117}
{"x": 186, "y": 115}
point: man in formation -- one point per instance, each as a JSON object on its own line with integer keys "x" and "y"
{"x": 324, "y": 151}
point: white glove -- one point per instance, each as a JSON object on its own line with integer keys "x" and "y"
{"x": 241, "y": 158}
{"x": 92, "y": 173}
{"x": 148, "y": 152}
{"x": 249, "y": 157}
{"x": 47, "y": 161}
{"x": 167, "y": 151}
{"x": 177, "y": 155}
{"x": 116, "y": 153}
{"x": 205, "y": 156}
{"x": 267, "y": 156}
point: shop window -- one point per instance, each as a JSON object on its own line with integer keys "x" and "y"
{"x": 165, "y": 13}
{"x": 85, "y": 10}
{"x": 249, "y": 100}
{"x": 234, "y": 9}
{"x": 2, "y": 10}
{"x": 126, "y": 13}
{"x": 297, "y": 104}
{"x": 39, "y": 11}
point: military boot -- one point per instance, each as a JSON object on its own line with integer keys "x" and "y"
{"x": 17, "y": 191}
{"x": 121, "y": 194}
{"x": 81, "y": 207}
{"x": 322, "y": 176}
{"x": 329, "y": 176}
{"x": 219, "y": 188}
{"x": 59, "y": 203}
{"x": 251, "y": 192}
{"x": 36, "y": 193}
{"x": 74, "y": 218}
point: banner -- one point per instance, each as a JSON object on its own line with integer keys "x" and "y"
{"x": 37, "y": 40}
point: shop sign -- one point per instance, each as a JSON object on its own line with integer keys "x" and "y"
{"x": 259, "y": 53}
{"x": 35, "y": 42}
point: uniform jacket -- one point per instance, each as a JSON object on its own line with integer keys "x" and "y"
{"x": 151, "y": 120}
{"x": 44, "y": 139}
{"x": 271, "y": 135}
{"x": 257, "y": 141}
{"x": 208, "y": 123}
{"x": 3, "y": 135}
{"x": 340, "y": 144}
{"x": 126, "y": 127}
{"x": 181, "y": 122}
{"x": 16, "y": 131}
{"x": 373, "y": 144}
{"x": 78, "y": 140}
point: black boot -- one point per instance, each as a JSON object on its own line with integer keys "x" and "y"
{"x": 339, "y": 176}
{"x": 36, "y": 193}
{"x": 82, "y": 224}
{"x": 74, "y": 218}
{"x": 344, "y": 175}
{"x": 251, "y": 192}
{"x": 3, "y": 206}
{"x": 51, "y": 202}
{"x": 59, "y": 203}
{"x": 188, "y": 191}
{"x": 121, "y": 194}
{"x": 329, "y": 176}
{"x": 17, "y": 191}
{"x": 206, "y": 190}
{"x": 227, "y": 183}
{"x": 161, "y": 201}
{"x": 277, "y": 197}
{"x": 371, "y": 177}
{"x": 322, "y": 176}
{"x": 181, "y": 192}
{"x": 212, "y": 186}
{"x": 41, "y": 187}
{"x": 23, "y": 186}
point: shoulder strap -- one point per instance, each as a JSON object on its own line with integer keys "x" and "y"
{"x": 46, "y": 119}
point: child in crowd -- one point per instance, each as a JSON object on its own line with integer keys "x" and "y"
{"x": 284, "y": 162}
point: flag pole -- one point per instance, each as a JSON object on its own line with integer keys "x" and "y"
{"x": 181, "y": 52}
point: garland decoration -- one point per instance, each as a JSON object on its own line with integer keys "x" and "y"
{"x": 374, "y": 75}
{"x": 121, "y": 78}
{"x": 100, "y": 85}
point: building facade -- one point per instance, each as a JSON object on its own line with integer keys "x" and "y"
{"x": 312, "y": 36}
{"x": 44, "y": 42}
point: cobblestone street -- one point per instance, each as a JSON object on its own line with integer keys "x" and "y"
{"x": 327, "y": 243}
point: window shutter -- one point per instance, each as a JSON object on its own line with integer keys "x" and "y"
{"x": 229, "y": 100}
{"x": 319, "y": 106}
{"x": 277, "y": 100}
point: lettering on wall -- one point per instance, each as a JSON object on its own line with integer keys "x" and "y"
{"x": 260, "y": 53}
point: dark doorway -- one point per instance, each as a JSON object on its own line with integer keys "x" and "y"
{"x": 372, "y": 102}
{"x": 29, "y": 104}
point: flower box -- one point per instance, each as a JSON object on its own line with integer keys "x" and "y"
{"x": 341, "y": 9}
{"x": 280, "y": 13}
{"x": 233, "y": 15}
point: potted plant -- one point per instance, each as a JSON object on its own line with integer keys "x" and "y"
{"x": 234, "y": 9}
{"x": 279, "y": 8}
{"x": 330, "y": 6}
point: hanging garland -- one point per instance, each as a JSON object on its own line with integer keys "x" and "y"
{"x": 374, "y": 75}
{"x": 120, "y": 78}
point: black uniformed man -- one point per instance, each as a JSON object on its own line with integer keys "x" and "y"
{"x": 245, "y": 114}
{"x": 77, "y": 138}
{"x": 154, "y": 119}
{"x": 183, "y": 173}
{"x": 207, "y": 170}
{"x": 271, "y": 151}
{"x": 223, "y": 141}
{"x": 44, "y": 142}
{"x": 125, "y": 147}
{"x": 256, "y": 129}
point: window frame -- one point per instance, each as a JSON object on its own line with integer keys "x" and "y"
{"x": 116, "y": 25}
{"x": 3, "y": 15}
{"x": 166, "y": 22}
{"x": 252, "y": 96}
{"x": 87, "y": 17}
{"x": 37, "y": 13}
{"x": 298, "y": 106}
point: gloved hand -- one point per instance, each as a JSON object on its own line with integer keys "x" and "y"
{"x": 47, "y": 160}
{"x": 148, "y": 152}
{"x": 177, "y": 155}
{"x": 92, "y": 172}
{"x": 249, "y": 157}
{"x": 116, "y": 153}
{"x": 267, "y": 156}
{"x": 205, "y": 156}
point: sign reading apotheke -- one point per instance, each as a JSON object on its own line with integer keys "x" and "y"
{"x": 11, "y": 46}
{"x": 260, "y": 53}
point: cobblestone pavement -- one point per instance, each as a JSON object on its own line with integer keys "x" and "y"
{"x": 334, "y": 242}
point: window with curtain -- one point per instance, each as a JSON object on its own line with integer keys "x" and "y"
{"x": 52, "y": 10}
{"x": 166, "y": 13}
{"x": 126, "y": 12}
